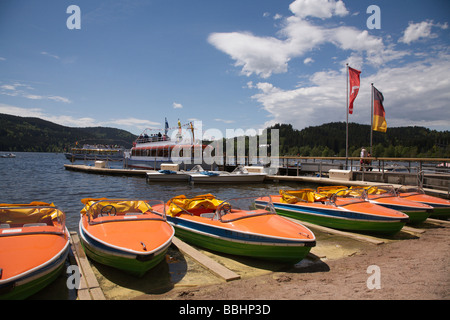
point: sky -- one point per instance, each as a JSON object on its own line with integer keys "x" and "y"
{"x": 235, "y": 64}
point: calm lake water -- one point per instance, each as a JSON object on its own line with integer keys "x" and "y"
{"x": 42, "y": 177}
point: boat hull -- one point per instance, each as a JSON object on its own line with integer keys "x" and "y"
{"x": 163, "y": 177}
{"x": 441, "y": 207}
{"x": 416, "y": 212}
{"x": 340, "y": 219}
{"x": 35, "y": 278}
{"x": 134, "y": 263}
{"x": 231, "y": 178}
{"x": 240, "y": 243}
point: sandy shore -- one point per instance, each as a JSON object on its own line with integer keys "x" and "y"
{"x": 416, "y": 268}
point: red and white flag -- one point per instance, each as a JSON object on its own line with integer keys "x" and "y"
{"x": 354, "y": 86}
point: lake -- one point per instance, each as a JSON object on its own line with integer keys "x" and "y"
{"x": 42, "y": 177}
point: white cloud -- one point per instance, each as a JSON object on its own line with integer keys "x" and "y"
{"x": 308, "y": 60}
{"x": 50, "y": 55}
{"x": 22, "y": 90}
{"x": 39, "y": 113}
{"x": 177, "y": 105}
{"x": 59, "y": 99}
{"x": 298, "y": 36}
{"x": 318, "y": 8}
{"x": 134, "y": 124}
{"x": 260, "y": 55}
{"x": 224, "y": 120}
{"x": 415, "y": 94}
{"x": 415, "y": 31}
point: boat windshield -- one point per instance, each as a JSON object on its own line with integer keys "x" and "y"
{"x": 349, "y": 196}
{"x": 26, "y": 219}
{"x": 122, "y": 209}
{"x": 240, "y": 169}
{"x": 410, "y": 189}
{"x": 381, "y": 191}
{"x": 241, "y": 208}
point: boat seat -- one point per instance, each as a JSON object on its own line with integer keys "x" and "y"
{"x": 133, "y": 213}
{"x": 4, "y": 225}
{"x": 209, "y": 215}
{"x": 39, "y": 224}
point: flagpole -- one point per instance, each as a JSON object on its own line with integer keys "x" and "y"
{"x": 371, "y": 122}
{"x": 346, "y": 129}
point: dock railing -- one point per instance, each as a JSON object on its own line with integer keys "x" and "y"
{"x": 425, "y": 172}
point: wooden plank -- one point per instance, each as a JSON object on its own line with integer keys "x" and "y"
{"x": 91, "y": 280}
{"x": 352, "y": 235}
{"x": 413, "y": 230}
{"x": 438, "y": 221}
{"x": 205, "y": 261}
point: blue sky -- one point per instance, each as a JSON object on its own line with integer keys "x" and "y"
{"x": 231, "y": 64}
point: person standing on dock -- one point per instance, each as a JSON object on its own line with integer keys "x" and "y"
{"x": 362, "y": 156}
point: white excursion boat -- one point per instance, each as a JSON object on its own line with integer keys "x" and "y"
{"x": 149, "y": 150}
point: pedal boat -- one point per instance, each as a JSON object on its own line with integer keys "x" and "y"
{"x": 34, "y": 244}
{"x": 125, "y": 234}
{"x": 239, "y": 175}
{"x": 344, "y": 210}
{"x": 225, "y": 226}
{"x": 386, "y": 196}
{"x": 441, "y": 207}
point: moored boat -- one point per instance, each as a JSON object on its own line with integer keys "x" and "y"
{"x": 34, "y": 244}
{"x": 386, "y": 196}
{"x": 240, "y": 174}
{"x": 125, "y": 234}
{"x": 345, "y": 210}
{"x": 227, "y": 227}
{"x": 441, "y": 207}
{"x": 151, "y": 150}
{"x": 96, "y": 152}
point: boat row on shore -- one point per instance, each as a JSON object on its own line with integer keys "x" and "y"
{"x": 134, "y": 235}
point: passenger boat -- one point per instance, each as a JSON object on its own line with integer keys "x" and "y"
{"x": 441, "y": 207}
{"x": 230, "y": 227}
{"x": 125, "y": 234}
{"x": 240, "y": 174}
{"x": 386, "y": 196}
{"x": 150, "y": 150}
{"x": 345, "y": 210}
{"x": 96, "y": 152}
{"x": 34, "y": 244}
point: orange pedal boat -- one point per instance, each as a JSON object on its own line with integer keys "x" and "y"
{"x": 125, "y": 234}
{"x": 441, "y": 207}
{"x": 34, "y": 244}
{"x": 232, "y": 227}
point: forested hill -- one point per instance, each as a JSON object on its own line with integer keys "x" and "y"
{"x": 328, "y": 140}
{"x": 37, "y": 135}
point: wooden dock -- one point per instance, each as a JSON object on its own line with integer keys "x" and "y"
{"x": 89, "y": 288}
{"x": 111, "y": 171}
{"x": 274, "y": 178}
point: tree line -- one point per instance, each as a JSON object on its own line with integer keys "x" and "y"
{"x": 327, "y": 140}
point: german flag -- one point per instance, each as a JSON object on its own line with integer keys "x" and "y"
{"x": 379, "y": 120}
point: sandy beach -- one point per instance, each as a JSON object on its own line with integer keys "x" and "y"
{"x": 413, "y": 269}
